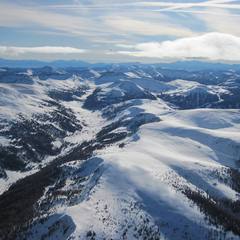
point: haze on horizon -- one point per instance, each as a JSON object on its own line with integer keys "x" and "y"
{"x": 120, "y": 30}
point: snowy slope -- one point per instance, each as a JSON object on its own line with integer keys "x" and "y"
{"x": 122, "y": 153}
{"x": 139, "y": 187}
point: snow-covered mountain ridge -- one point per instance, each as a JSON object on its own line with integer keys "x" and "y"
{"x": 119, "y": 152}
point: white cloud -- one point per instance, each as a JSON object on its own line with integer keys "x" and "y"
{"x": 222, "y": 21}
{"x": 151, "y": 4}
{"x": 183, "y": 5}
{"x": 145, "y": 27}
{"x": 89, "y": 24}
{"x": 100, "y": 26}
{"x": 211, "y": 46}
{"x": 16, "y": 51}
{"x": 12, "y": 15}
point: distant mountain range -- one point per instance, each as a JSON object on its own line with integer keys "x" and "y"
{"x": 38, "y": 64}
{"x": 180, "y": 65}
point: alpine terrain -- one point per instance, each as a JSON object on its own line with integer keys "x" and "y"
{"x": 119, "y": 151}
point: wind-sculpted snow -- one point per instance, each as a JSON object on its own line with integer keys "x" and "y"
{"x": 119, "y": 152}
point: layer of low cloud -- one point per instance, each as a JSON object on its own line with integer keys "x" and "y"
{"x": 20, "y": 51}
{"x": 211, "y": 46}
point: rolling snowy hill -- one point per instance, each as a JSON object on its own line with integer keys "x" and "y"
{"x": 119, "y": 152}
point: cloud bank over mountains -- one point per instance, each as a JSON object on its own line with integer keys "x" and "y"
{"x": 16, "y": 51}
{"x": 211, "y": 46}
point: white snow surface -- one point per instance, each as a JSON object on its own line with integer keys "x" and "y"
{"x": 139, "y": 186}
{"x": 138, "y": 180}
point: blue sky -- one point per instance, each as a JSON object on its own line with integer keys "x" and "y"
{"x": 120, "y": 30}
